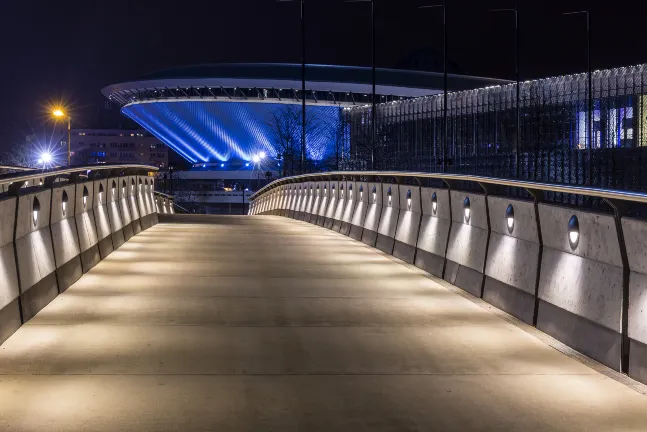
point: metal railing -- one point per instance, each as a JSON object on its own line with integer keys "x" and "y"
{"x": 531, "y": 187}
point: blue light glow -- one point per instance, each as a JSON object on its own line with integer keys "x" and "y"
{"x": 203, "y": 131}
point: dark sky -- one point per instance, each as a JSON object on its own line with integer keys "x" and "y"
{"x": 70, "y": 49}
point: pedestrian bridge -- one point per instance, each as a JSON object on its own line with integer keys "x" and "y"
{"x": 273, "y": 322}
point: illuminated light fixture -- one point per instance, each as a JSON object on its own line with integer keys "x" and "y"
{"x": 390, "y": 198}
{"x": 247, "y": 164}
{"x": 325, "y": 191}
{"x": 40, "y": 182}
{"x": 85, "y": 197}
{"x": 222, "y": 165}
{"x": 64, "y": 201}
{"x": 114, "y": 189}
{"x": 573, "y": 231}
{"x": 27, "y": 183}
{"x": 256, "y": 159}
{"x": 45, "y": 157}
{"x": 333, "y": 191}
{"x": 140, "y": 186}
{"x": 35, "y": 211}
{"x": 350, "y": 192}
{"x": 466, "y": 209}
{"x": 374, "y": 194}
{"x": 509, "y": 216}
{"x": 434, "y": 203}
{"x": 361, "y": 193}
{"x": 100, "y": 193}
{"x": 341, "y": 192}
{"x": 409, "y": 199}
{"x": 132, "y": 186}
{"x": 262, "y": 155}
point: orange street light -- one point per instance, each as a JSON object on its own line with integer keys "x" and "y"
{"x": 59, "y": 113}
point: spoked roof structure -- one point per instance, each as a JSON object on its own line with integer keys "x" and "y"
{"x": 224, "y": 111}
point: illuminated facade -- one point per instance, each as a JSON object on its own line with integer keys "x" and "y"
{"x": 550, "y": 143}
{"x": 229, "y": 112}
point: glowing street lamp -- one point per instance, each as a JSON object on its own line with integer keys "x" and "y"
{"x": 59, "y": 113}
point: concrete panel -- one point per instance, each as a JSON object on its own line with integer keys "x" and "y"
{"x": 332, "y": 204}
{"x": 359, "y": 213}
{"x": 467, "y": 242}
{"x": 513, "y": 258}
{"x": 408, "y": 226}
{"x": 434, "y": 231}
{"x": 100, "y": 209}
{"x": 341, "y": 205}
{"x": 584, "y": 284}
{"x": 373, "y": 214}
{"x": 468, "y": 238}
{"x": 388, "y": 218}
{"x": 635, "y": 237}
{"x": 299, "y": 200}
{"x": 311, "y": 193}
{"x": 9, "y": 290}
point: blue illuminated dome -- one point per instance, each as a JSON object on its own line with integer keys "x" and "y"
{"x": 218, "y": 113}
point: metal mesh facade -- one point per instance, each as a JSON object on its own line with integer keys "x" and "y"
{"x": 549, "y": 142}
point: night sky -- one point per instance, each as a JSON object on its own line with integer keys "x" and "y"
{"x": 69, "y": 49}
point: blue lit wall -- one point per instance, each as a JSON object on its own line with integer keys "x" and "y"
{"x": 203, "y": 131}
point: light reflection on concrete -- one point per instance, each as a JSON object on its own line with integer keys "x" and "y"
{"x": 265, "y": 323}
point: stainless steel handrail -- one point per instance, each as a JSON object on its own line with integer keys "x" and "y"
{"x": 37, "y": 174}
{"x": 523, "y": 184}
{"x": 13, "y": 167}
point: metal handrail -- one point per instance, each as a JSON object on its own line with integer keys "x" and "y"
{"x": 14, "y": 167}
{"x": 37, "y": 174}
{"x": 523, "y": 184}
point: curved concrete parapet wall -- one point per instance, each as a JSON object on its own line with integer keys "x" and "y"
{"x": 9, "y": 289}
{"x": 333, "y": 201}
{"x": 635, "y": 236}
{"x": 114, "y": 212}
{"x": 580, "y": 288}
{"x": 434, "y": 231}
{"x": 388, "y": 218}
{"x": 373, "y": 213}
{"x": 86, "y": 226}
{"x": 65, "y": 237}
{"x": 406, "y": 233}
{"x": 468, "y": 240}
{"x": 530, "y": 269}
{"x": 34, "y": 251}
{"x": 359, "y": 212}
{"x": 513, "y": 258}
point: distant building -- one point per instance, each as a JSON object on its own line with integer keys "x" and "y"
{"x": 117, "y": 146}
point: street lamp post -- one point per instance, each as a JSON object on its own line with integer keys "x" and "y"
{"x": 587, "y": 12}
{"x": 517, "y": 76}
{"x": 445, "y": 76}
{"x": 303, "y": 81}
{"x": 373, "y": 79}
{"x": 58, "y": 113}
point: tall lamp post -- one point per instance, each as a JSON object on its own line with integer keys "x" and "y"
{"x": 445, "y": 76}
{"x": 373, "y": 79}
{"x": 59, "y": 113}
{"x": 303, "y": 81}
{"x": 517, "y": 76}
{"x": 587, "y": 12}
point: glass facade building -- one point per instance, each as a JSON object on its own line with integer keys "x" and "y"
{"x": 555, "y": 133}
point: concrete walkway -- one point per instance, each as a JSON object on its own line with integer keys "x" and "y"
{"x": 265, "y": 323}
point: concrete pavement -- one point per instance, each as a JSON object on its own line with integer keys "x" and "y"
{"x": 266, "y": 323}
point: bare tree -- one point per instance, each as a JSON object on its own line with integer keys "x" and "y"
{"x": 285, "y": 133}
{"x": 21, "y": 155}
{"x": 187, "y": 196}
